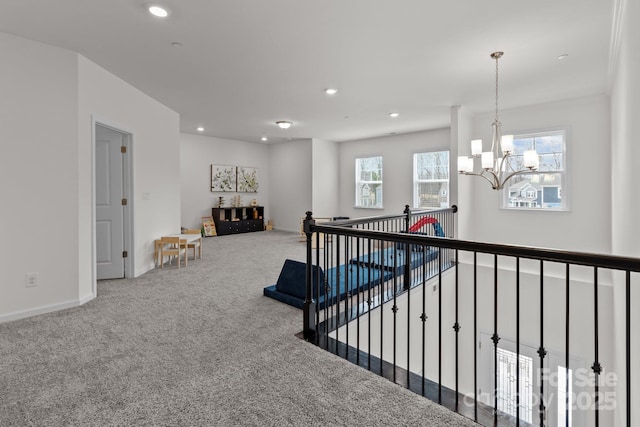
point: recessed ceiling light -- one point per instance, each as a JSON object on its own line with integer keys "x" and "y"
{"x": 264, "y": 138}
{"x": 158, "y": 11}
{"x": 283, "y": 124}
{"x": 176, "y": 44}
{"x": 331, "y": 91}
{"x": 394, "y": 115}
{"x": 563, "y": 56}
{"x": 200, "y": 129}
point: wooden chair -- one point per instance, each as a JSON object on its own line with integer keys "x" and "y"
{"x": 172, "y": 246}
{"x": 193, "y": 245}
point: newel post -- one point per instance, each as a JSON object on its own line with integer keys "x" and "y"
{"x": 408, "y": 248}
{"x": 309, "y": 306}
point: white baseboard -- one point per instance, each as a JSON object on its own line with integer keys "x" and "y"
{"x": 30, "y": 312}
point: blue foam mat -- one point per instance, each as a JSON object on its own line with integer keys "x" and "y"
{"x": 394, "y": 259}
{"x": 350, "y": 279}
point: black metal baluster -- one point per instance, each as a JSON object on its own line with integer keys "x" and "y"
{"x": 358, "y": 307}
{"x": 319, "y": 285}
{"x": 542, "y": 352}
{"x": 440, "y": 325}
{"x": 394, "y": 309}
{"x": 456, "y": 328}
{"x": 323, "y": 285}
{"x": 596, "y": 367}
{"x": 381, "y": 301}
{"x": 475, "y": 336}
{"x": 495, "y": 338}
{"x": 518, "y": 341}
{"x": 628, "y": 345}
{"x": 423, "y": 318}
{"x": 348, "y": 289}
{"x": 409, "y": 336}
{"x": 335, "y": 289}
{"x": 566, "y": 350}
{"x": 369, "y": 348}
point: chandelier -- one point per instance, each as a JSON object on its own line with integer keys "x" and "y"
{"x": 497, "y": 166}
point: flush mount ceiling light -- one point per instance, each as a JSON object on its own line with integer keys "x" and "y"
{"x": 331, "y": 91}
{"x": 158, "y": 11}
{"x": 200, "y": 129}
{"x": 394, "y": 115}
{"x": 264, "y": 138}
{"x": 283, "y": 124}
{"x": 497, "y": 166}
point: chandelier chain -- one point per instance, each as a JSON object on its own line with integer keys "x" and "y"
{"x": 497, "y": 57}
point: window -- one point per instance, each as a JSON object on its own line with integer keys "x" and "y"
{"x": 565, "y": 395}
{"x": 507, "y": 391}
{"x": 431, "y": 180}
{"x": 369, "y": 182}
{"x": 542, "y": 190}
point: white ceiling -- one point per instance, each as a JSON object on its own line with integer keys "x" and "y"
{"x": 244, "y": 64}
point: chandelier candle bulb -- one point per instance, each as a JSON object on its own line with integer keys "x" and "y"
{"x": 531, "y": 159}
{"x": 462, "y": 163}
{"x": 487, "y": 160}
{"x": 469, "y": 167}
{"x": 507, "y": 144}
{"x": 476, "y": 147}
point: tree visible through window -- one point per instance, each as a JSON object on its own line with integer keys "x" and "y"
{"x": 542, "y": 190}
{"x": 369, "y": 182}
{"x": 431, "y": 180}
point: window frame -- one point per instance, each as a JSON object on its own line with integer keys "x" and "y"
{"x": 563, "y": 190}
{"x": 417, "y": 181}
{"x": 358, "y": 181}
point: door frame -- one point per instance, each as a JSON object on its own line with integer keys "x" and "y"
{"x": 128, "y": 186}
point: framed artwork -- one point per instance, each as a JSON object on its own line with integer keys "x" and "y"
{"x": 209, "y": 226}
{"x": 247, "y": 179}
{"x": 223, "y": 178}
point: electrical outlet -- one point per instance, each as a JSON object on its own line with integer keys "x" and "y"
{"x": 31, "y": 280}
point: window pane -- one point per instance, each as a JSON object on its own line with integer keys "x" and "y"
{"x": 542, "y": 190}
{"x": 369, "y": 182}
{"x": 431, "y": 179}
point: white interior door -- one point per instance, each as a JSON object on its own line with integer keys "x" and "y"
{"x": 110, "y": 216}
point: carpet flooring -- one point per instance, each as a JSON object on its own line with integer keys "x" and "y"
{"x": 199, "y": 346}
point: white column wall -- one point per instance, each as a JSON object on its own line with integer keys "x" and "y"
{"x": 325, "y": 184}
{"x": 461, "y": 125}
{"x": 625, "y": 193}
{"x": 290, "y": 177}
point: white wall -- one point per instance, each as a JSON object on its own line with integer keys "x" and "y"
{"x": 325, "y": 180}
{"x": 586, "y": 227}
{"x": 290, "y": 176}
{"x": 461, "y": 194}
{"x": 397, "y": 152}
{"x": 197, "y": 154}
{"x": 625, "y": 193}
{"x": 154, "y": 151}
{"x": 39, "y": 175}
{"x": 50, "y": 97}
